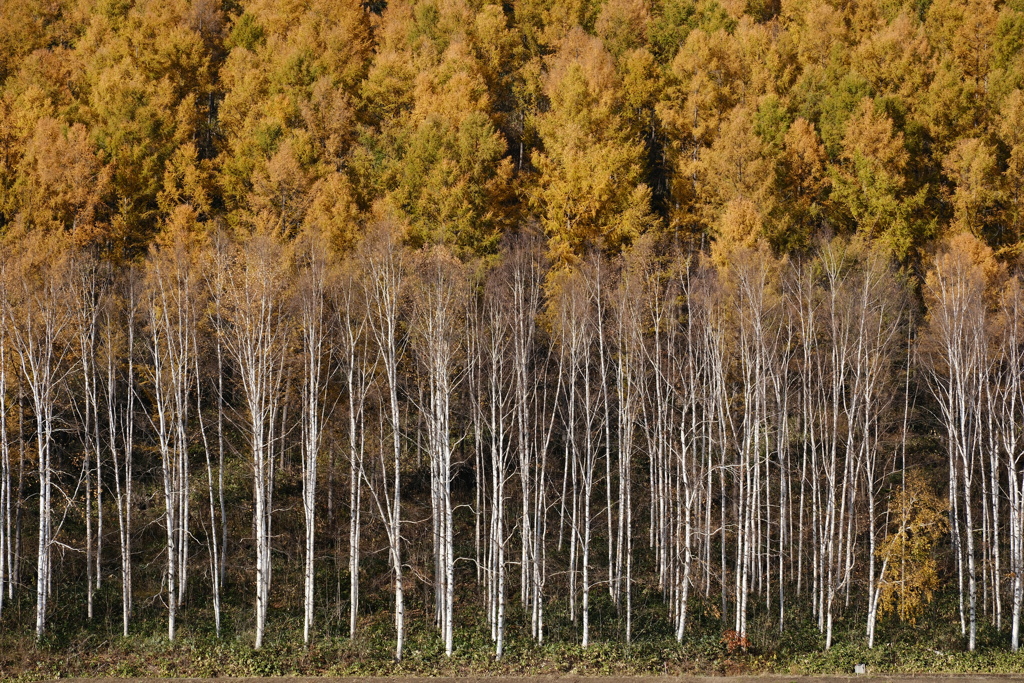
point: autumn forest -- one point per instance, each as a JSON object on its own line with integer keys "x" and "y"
{"x": 474, "y": 329}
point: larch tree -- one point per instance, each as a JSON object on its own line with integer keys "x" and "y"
{"x": 871, "y": 181}
{"x": 919, "y": 519}
{"x": 590, "y": 191}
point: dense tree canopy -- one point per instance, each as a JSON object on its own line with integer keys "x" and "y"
{"x": 464, "y": 121}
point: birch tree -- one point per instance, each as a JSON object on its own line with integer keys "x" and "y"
{"x": 498, "y": 339}
{"x": 119, "y": 323}
{"x": 437, "y": 328}
{"x": 86, "y": 292}
{"x": 384, "y": 280}
{"x": 350, "y": 319}
{"x": 172, "y": 307}
{"x": 312, "y": 288}
{"x": 6, "y": 556}
{"x": 36, "y": 306}
{"x": 255, "y": 334}
{"x": 576, "y": 321}
{"x": 628, "y": 324}
{"x": 520, "y": 279}
{"x": 956, "y": 290}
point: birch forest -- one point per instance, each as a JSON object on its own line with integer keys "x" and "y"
{"x": 588, "y": 322}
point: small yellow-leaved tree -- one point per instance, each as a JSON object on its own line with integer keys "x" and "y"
{"x": 919, "y": 517}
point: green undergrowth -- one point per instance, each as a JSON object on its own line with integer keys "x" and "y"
{"x": 203, "y": 656}
{"x": 71, "y": 650}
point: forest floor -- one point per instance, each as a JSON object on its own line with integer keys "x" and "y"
{"x": 921, "y": 678}
{"x": 933, "y": 649}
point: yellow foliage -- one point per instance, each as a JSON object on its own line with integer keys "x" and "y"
{"x": 918, "y": 518}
